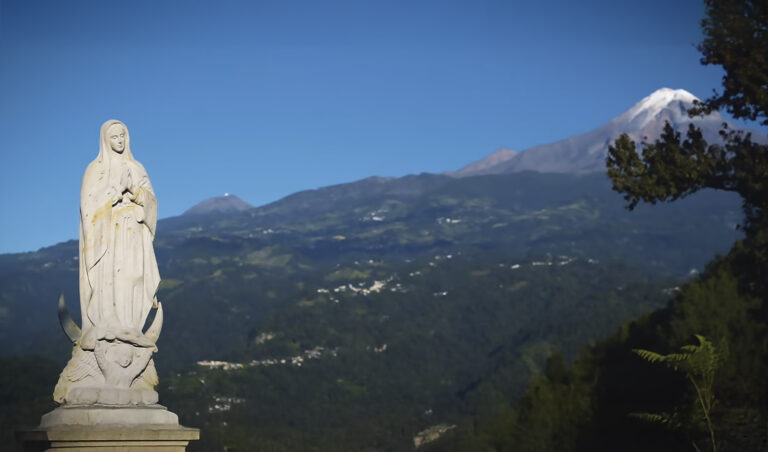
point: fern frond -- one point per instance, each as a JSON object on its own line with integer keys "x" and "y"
{"x": 700, "y": 363}
{"x": 651, "y": 417}
{"x": 649, "y": 356}
{"x": 666, "y": 419}
{"x": 677, "y": 357}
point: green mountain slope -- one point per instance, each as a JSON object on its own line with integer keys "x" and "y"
{"x": 587, "y": 406}
{"x": 408, "y": 303}
{"x": 272, "y": 246}
{"x": 366, "y": 356}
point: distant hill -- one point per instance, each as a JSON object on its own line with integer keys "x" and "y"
{"x": 586, "y": 153}
{"x": 218, "y": 204}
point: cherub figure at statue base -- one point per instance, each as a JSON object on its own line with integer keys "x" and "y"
{"x": 93, "y": 388}
{"x": 111, "y": 368}
{"x": 110, "y": 381}
{"x": 110, "y": 378}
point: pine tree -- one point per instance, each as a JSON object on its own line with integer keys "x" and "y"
{"x": 672, "y": 167}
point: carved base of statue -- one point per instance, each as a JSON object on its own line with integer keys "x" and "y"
{"x": 109, "y": 366}
{"x": 107, "y": 397}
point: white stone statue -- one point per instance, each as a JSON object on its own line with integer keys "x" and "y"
{"x": 111, "y": 361}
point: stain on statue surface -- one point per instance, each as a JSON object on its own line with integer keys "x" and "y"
{"x": 111, "y": 360}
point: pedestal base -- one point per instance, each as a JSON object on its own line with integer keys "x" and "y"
{"x": 103, "y": 428}
{"x": 91, "y": 415}
{"x": 103, "y": 438}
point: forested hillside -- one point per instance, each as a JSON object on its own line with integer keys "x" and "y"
{"x": 393, "y": 350}
{"x": 397, "y": 304}
{"x": 221, "y": 272}
{"x": 588, "y": 405}
{"x": 690, "y": 376}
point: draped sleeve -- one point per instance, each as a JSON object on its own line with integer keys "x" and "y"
{"x": 95, "y": 214}
{"x": 146, "y": 198}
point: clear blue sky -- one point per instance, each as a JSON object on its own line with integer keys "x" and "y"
{"x": 263, "y": 99}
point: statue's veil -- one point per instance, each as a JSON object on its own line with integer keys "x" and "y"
{"x": 105, "y": 149}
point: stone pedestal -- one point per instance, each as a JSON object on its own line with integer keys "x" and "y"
{"x": 107, "y": 429}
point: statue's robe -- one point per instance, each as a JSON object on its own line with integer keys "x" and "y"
{"x": 118, "y": 270}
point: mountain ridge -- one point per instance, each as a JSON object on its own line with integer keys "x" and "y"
{"x": 586, "y": 152}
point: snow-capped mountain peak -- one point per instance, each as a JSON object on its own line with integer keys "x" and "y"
{"x": 586, "y": 153}
{"x": 648, "y": 109}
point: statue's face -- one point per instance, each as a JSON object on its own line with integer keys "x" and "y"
{"x": 116, "y": 134}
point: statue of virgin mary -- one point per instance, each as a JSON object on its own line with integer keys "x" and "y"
{"x": 118, "y": 215}
{"x": 111, "y": 361}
